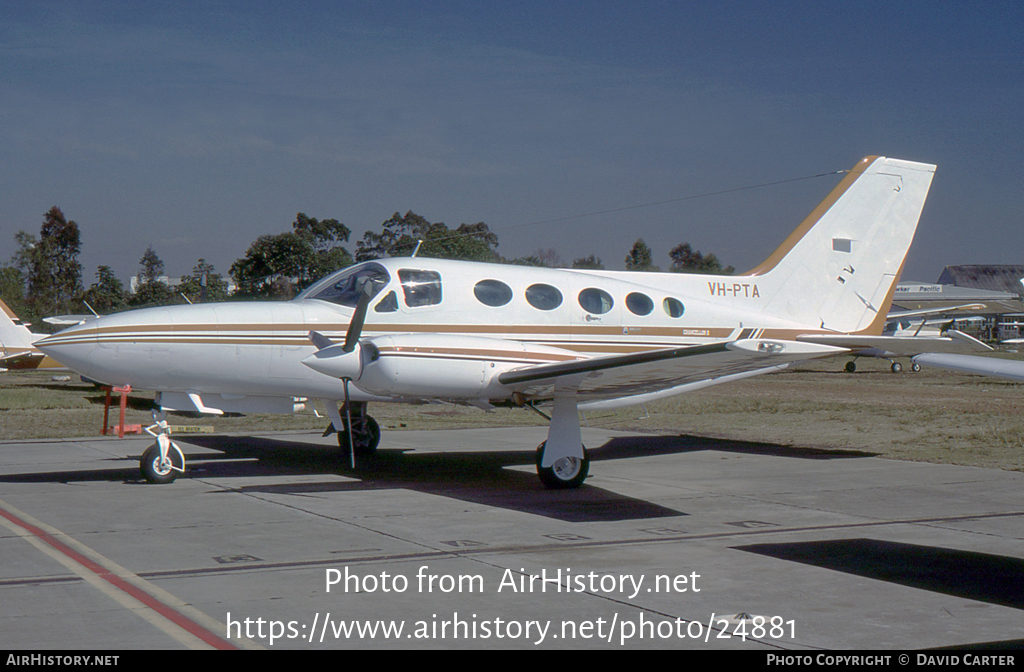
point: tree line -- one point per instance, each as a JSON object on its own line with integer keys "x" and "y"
{"x": 44, "y": 277}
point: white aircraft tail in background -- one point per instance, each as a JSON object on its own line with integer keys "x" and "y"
{"x": 16, "y": 344}
{"x": 414, "y": 329}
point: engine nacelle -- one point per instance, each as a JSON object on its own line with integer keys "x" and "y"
{"x": 447, "y": 367}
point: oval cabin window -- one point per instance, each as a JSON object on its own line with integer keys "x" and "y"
{"x": 596, "y": 301}
{"x": 673, "y": 307}
{"x": 639, "y": 304}
{"x": 543, "y": 297}
{"x": 492, "y": 292}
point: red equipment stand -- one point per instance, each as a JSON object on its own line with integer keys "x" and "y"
{"x": 122, "y": 428}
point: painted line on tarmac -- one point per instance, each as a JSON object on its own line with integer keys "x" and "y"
{"x": 195, "y": 630}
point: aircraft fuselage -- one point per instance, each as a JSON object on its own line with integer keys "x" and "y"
{"x": 257, "y": 348}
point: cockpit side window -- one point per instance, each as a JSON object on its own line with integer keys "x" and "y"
{"x": 388, "y": 304}
{"x": 421, "y": 288}
{"x": 347, "y": 287}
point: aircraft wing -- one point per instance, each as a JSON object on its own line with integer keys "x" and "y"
{"x": 967, "y": 307}
{"x": 897, "y": 346}
{"x": 617, "y": 376}
{"x": 983, "y": 366}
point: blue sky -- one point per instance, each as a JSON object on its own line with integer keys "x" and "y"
{"x": 196, "y": 127}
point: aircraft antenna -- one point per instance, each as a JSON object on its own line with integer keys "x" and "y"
{"x": 691, "y": 197}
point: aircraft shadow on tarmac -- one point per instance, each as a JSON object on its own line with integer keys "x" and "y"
{"x": 478, "y": 477}
{"x": 983, "y": 577}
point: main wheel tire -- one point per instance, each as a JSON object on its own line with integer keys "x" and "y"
{"x": 365, "y": 442}
{"x": 897, "y": 367}
{"x": 568, "y": 472}
{"x": 154, "y": 471}
{"x": 851, "y": 367}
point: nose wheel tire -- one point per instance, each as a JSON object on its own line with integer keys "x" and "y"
{"x": 160, "y": 471}
{"x": 565, "y": 473}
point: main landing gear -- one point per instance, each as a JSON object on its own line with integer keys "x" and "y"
{"x": 367, "y": 432}
{"x": 895, "y": 367}
{"x": 564, "y": 473}
{"x": 366, "y": 436}
{"x": 562, "y": 460}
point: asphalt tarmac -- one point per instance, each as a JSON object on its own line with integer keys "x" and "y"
{"x": 448, "y": 540}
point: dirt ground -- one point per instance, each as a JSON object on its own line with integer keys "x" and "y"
{"x": 933, "y": 415}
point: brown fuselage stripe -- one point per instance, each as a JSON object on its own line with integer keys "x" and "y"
{"x": 395, "y": 328}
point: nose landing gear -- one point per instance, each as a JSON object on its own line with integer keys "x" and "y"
{"x": 163, "y": 461}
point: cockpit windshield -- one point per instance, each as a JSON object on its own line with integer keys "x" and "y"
{"x": 345, "y": 287}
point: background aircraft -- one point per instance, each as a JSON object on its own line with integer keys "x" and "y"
{"x": 414, "y": 329}
{"x": 983, "y": 366}
{"x": 16, "y": 343}
{"x": 910, "y": 332}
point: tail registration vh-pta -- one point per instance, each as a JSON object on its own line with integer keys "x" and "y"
{"x": 414, "y": 329}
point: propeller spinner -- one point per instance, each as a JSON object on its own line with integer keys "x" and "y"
{"x": 345, "y": 360}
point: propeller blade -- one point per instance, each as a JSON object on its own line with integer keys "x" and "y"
{"x": 319, "y": 340}
{"x": 355, "y": 326}
{"x": 348, "y": 419}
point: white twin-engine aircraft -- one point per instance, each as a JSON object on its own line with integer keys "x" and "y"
{"x": 415, "y": 329}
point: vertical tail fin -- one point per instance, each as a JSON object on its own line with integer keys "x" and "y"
{"x": 839, "y": 268}
{"x": 13, "y": 334}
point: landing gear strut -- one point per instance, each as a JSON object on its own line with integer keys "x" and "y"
{"x": 562, "y": 460}
{"x": 163, "y": 461}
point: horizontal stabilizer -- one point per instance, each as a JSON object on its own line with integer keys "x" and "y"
{"x": 29, "y": 359}
{"x": 897, "y": 346}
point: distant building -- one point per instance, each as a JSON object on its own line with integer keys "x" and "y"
{"x": 134, "y": 282}
{"x": 922, "y": 295}
{"x": 1002, "y": 278}
{"x": 985, "y": 312}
